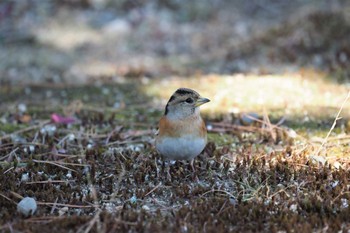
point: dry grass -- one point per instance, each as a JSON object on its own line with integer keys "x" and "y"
{"x": 249, "y": 172}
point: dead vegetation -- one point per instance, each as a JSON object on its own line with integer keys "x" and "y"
{"x": 102, "y": 174}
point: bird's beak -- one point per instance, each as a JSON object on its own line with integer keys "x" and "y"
{"x": 201, "y": 101}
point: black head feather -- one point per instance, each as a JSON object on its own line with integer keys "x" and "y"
{"x": 184, "y": 91}
{"x": 166, "y": 109}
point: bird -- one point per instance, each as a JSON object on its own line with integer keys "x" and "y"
{"x": 182, "y": 134}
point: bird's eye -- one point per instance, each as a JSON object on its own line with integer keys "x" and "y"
{"x": 189, "y": 100}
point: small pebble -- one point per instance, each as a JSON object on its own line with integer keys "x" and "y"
{"x": 22, "y": 107}
{"x": 25, "y": 177}
{"x": 71, "y": 137}
{"x": 69, "y": 175}
{"x": 233, "y": 201}
{"x": 133, "y": 199}
{"x": 117, "y": 104}
{"x": 292, "y": 133}
{"x": 63, "y": 211}
{"x": 344, "y": 203}
{"x": 105, "y": 91}
{"x": 48, "y": 129}
{"x": 31, "y": 148}
{"x": 27, "y": 206}
{"x": 337, "y": 165}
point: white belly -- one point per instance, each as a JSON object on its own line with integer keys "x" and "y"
{"x": 184, "y": 148}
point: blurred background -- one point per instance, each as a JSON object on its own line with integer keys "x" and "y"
{"x": 78, "y": 41}
{"x": 290, "y": 58}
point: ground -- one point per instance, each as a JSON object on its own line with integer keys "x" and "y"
{"x": 83, "y": 86}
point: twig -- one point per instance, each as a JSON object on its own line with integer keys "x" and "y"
{"x": 334, "y": 124}
{"x": 220, "y": 191}
{"x": 153, "y": 189}
{"x": 63, "y": 139}
{"x": 92, "y": 222}
{"x": 8, "y": 198}
{"x": 115, "y": 130}
{"x": 219, "y": 125}
{"x": 65, "y": 205}
{"x": 54, "y": 206}
{"x": 264, "y": 121}
{"x": 25, "y": 130}
{"x": 53, "y": 163}
{"x": 339, "y": 195}
{"x": 125, "y": 142}
{"x": 73, "y": 164}
{"x": 281, "y": 191}
{"x": 55, "y": 203}
{"x": 8, "y": 170}
{"x": 49, "y": 181}
{"x": 270, "y": 127}
{"x": 22, "y": 144}
{"x": 16, "y": 195}
{"x": 9, "y": 154}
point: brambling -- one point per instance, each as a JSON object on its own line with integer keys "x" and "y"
{"x": 182, "y": 133}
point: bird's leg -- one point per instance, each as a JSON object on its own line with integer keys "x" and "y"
{"x": 168, "y": 175}
{"x": 163, "y": 166}
{"x": 192, "y": 165}
{"x": 195, "y": 177}
{"x": 166, "y": 169}
{"x": 157, "y": 169}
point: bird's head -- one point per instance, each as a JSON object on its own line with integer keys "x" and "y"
{"x": 183, "y": 103}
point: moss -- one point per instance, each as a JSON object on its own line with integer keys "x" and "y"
{"x": 222, "y": 139}
{"x": 10, "y": 128}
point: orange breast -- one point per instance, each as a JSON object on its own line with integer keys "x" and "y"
{"x": 176, "y": 128}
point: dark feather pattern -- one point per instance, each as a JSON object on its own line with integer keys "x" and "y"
{"x": 184, "y": 91}
{"x": 166, "y": 109}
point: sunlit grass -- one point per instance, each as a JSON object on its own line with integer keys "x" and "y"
{"x": 305, "y": 96}
{"x": 295, "y": 93}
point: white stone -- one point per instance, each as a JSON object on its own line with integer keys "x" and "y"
{"x": 294, "y": 207}
{"x": 22, "y": 107}
{"x": 27, "y": 206}
{"x": 69, "y": 175}
{"x": 31, "y": 148}
{"x": 71, "y": 137}
{"x": 25, "y": 177}
{"x": 337, "y": 165}
{"x": 63, "y": 211}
